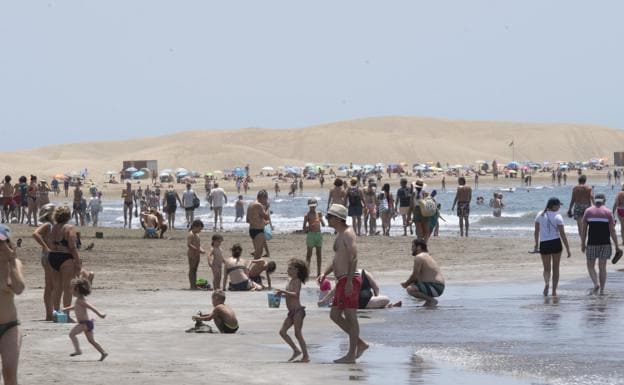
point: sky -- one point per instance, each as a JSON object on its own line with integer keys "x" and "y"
{"x": 74, "y": 71}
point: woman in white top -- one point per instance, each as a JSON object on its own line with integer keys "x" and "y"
{"x": 549, "y": 232}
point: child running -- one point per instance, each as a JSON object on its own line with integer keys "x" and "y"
{"x": 298, "y": 273}
{"x": 194, "y": 250}
{"x": 222, "y": 315}
{"x": 215, "y": 260}
{"x": 81, "y": 289}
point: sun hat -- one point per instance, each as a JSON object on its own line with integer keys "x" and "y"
{"x": 312, "y": 202}
{"x": 338, "y": 211}
{"x": 599, "y": 198}
{"x": 419, "y": 183}
{"x": 5, "y": 232}
{"x": 46, "y": 211}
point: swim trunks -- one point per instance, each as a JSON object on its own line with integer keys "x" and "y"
{"x": 150, "y": 232}
{"x": 497, "y": 212}
{"x": 314, "y": 239}
{"x": 253, "y": 233}
{"x": 355, "y": 210}
{"x": 228, "y": 329}
{"x": 598, "y": 251}
{"x": 344, "y": 301}
{"x": 579, "y": 210}
{"x": 88, "y": 323}
{"x": 463, "y": 209}
{"x": 432, "y": 289}
{"x": 170, "y": 209}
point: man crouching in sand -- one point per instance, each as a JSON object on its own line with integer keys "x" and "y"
{"x": 426, "y": 281}
{"x": 347, "y": 296}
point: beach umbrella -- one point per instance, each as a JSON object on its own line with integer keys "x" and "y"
{"x": 59, "y": 176}
{"x": 164, "y": 174}
{"x": 132, "y": 169}
{"x": 180, "y": 169}
{"x": 218, "y": 172}
{"x": 137, "y": 174}
{"x": 180, "y": 174}
{"x": 267, "y": 168}
{"x": 167, "y": 170}
{"x": 208, "y": 174}
{"x": 72, "y": 174}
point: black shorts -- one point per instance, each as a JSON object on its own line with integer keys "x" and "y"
{"x": 550, "y": 247}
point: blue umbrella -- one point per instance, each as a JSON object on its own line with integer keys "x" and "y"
{"x": 137, "y": 174}
{"x": 182, "y": 174}
{"x": 513, "y": 165}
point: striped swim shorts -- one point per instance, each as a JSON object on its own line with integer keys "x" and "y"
{"x": 598, "y": 251}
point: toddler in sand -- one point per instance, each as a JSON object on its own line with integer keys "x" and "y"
{"x": 215, "y": 260}
{"x": 81, "y": 289}
{"x": 193, "y": 244}
{"x": 298, "y": 274}
{"x": 222, "y": 315}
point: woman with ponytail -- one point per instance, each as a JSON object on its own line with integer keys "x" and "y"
{"x": 549, "y": 235}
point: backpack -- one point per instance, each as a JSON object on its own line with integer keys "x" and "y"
{"x": 196, "y": 201}
{"x": 428, "y": 207}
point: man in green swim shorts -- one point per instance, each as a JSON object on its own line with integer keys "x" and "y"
{"x": 426, "y": 280}
{"x": 312, "y": 222}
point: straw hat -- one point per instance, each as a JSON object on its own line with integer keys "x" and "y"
{"x": 419, "y": 183}
{"x": 338, "y": 211}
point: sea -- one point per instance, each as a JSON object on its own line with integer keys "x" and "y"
{"x": 522, "y": 204}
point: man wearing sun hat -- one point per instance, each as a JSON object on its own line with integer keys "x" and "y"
{"x": 347, "y": 295}
{"x": 312, "y": 222}
{"x": 597, "y": 230}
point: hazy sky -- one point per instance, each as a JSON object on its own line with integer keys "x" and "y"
{"x": 98, "y": 70}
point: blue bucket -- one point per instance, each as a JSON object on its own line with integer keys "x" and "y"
{"x": 274, "y": 300}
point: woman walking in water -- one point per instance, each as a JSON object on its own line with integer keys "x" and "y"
{"x": 549, "y": 234}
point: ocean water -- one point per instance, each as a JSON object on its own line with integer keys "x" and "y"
{"x": 521, "y": 207}
{"x": 494, "y": 334}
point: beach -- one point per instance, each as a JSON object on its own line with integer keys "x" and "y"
{"x": 142, "y": 285}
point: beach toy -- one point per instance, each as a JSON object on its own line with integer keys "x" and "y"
{"x": 60, "y": 316}
{"x": 274, "y": 300}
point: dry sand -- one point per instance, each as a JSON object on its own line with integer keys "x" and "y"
{"x": 383, "y": 139}
{"x": 142, "y": 286}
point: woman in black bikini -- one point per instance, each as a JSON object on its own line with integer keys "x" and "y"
{"x": 63, "y": 256}
{"x": 236, "y": 271}
{"x": 11, "y": 283}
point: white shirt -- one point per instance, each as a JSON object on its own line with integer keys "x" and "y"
{"x": 218, "y": 197}
{"x": 187, "y": 198}
{"x": 549, "y": 225}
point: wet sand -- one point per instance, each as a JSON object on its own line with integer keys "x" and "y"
{"x": 142, "y": 285}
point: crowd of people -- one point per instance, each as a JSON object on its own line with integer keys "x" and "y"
{"x": 355, "y": 288}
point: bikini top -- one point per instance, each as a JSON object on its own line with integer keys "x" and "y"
{"x": 233, "y": 268}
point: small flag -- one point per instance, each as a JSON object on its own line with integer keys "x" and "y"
{"x": 511, "y": 144}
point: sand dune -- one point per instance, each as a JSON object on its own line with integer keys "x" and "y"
{"x": 383, "y": 139}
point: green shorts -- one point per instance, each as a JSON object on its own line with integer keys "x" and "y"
{"x": 314, "y": 239}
